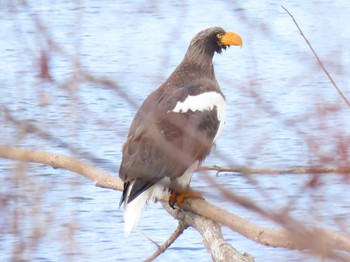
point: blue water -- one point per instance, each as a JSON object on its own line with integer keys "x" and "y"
{"x": 282, "y": 112}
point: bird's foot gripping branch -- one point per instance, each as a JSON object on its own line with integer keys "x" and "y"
{"x": 180, "y": 197}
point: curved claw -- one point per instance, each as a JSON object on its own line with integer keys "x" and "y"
{"x": 180, "y": 197}
{"x": 173, "y": 200}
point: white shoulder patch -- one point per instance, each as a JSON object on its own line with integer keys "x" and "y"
{"x": 202, "y": 102}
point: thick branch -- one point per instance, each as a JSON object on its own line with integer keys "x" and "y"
{"x": 262, "y": 235}
{"x": 99, "y": 178}
{"x": 211, "y": 234}
{"x": 319, "y": 241}
{"x": 210, "y": 231}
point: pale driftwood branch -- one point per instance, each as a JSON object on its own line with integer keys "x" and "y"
{"x": 300, "y": 170}
{"x": 318, "y": 59}
{"x": 295, "y": 235}
{"x": 105, "y": 180}
{"x": 99, "y": 178}
{"x": 210, "y": 231}
{"x": 263, "y": 235}
{"x": 161, "y": 249}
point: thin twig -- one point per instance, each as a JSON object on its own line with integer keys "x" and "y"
{"x": 300, "y": 170}
{"x": 150, "y": 239}
{"x": 318, "y": 59}
{"x": 179, "y": 230}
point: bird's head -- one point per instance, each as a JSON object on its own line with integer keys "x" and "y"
{"x": 215, "y": 39}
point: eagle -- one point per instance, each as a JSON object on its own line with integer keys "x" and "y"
{"x": 175, "y": 128}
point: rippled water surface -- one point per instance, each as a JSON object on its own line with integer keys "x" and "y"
{"x": 282, "y": 112}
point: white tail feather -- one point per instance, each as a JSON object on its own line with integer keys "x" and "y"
{"x": 132, "y": 212}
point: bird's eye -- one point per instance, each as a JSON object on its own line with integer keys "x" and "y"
{"x": 219, "y": 35}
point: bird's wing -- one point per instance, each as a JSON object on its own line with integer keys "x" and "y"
{"x": 167, "y": 135}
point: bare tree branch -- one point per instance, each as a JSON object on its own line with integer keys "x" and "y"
{"x": 267, "y": 236}
{"x": 105, "y": 180}
{"x": 263, "y": 235}
{"x": 161, "y": 249}
{"x": 316, "y": 240}
{"x": 211, "y": 234}
{"x": 99, "y": 178}
{"x": 318, "y": 59}
{"x": 300, "y": 170}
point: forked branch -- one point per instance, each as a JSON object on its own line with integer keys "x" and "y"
{"x": 285, "y": 238}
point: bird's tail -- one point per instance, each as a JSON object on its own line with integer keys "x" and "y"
{"x": 132, "y": 211}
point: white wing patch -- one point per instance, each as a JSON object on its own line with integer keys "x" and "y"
{"x": 202, "y": 102}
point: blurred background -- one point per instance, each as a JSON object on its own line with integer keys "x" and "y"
{"x": 73, "y": 74}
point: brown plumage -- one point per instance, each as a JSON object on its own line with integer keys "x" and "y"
{"x": 175, "y": 127}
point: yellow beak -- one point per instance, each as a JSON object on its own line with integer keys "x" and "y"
{"x": 231, "y": 38}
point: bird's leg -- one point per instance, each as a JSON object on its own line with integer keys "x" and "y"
{"x": 178, "y": 197}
